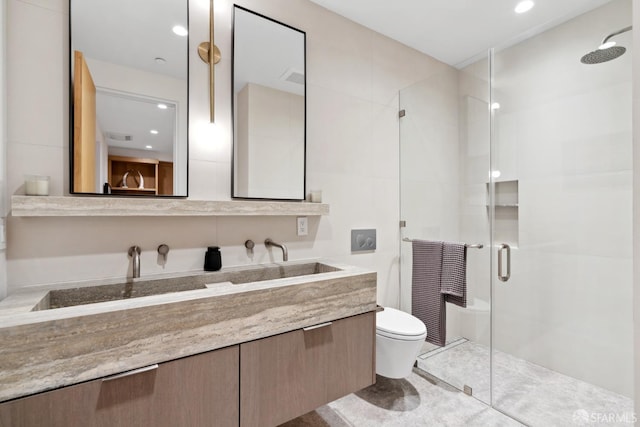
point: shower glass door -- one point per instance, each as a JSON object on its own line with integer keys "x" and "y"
{"x": 561, "y": 191}
{"x": 444, "y": 176}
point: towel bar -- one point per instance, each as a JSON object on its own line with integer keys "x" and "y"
{"x": 472, "y": 246}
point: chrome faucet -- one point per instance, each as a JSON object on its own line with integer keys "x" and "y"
{"x": 285, "y": 254}
{"x": 134, "y": 253}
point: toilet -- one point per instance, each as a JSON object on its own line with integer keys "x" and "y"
{"x": 399, "y": 338}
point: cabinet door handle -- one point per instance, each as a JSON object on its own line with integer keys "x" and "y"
{"x": 130, "y": 373}
{"x": 321, "y": 325}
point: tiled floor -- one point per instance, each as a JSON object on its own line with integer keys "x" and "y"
{"x": 419, "y": 400}
{"x": 538, "y": 396}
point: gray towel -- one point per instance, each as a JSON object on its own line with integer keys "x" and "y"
{"x": 439, "y": 275}
{"x": 427, "y": 303}
{"x": 454, "y": 273}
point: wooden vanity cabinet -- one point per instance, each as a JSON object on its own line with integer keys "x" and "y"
{"x": 200, "y": 390}
{"x": 260, "y": 383}
{"x": 288, "y": 375}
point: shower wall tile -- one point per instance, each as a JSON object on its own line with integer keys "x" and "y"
{"x": 578, "y": 306}
{"x": 568, "y": 215}
{"x": 586, "y": 134}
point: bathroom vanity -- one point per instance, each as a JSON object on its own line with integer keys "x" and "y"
{"x": 253, "y": 346}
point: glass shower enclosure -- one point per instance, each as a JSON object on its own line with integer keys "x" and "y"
{"x": 528, "y": 152}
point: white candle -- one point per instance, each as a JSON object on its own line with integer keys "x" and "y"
{"x": 35, "y": 185}
{"x": 42, "y": 186}
{"x": 316, "y": 196}
{"x": 30, "y": 186}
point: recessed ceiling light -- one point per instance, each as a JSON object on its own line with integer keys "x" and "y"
{"x": 180, "y": 30}
{"x": 160, "y": 60}
{"x": 148, "y": 147}
{"x": 495, "y": 174}
{"x": 524, "y": 6}
{"x": 162, "y": 106}
{"x": 495, "y": 106}
{"x": 153, "y": 132}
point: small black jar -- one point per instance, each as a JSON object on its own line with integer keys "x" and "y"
{"x": 212, "y": 259}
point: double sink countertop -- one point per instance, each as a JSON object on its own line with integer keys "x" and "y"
{"x": 116, "y": 327}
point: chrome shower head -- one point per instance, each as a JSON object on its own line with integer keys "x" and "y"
{"x": 599, "y": 56}
{"x": 607, "y": 50}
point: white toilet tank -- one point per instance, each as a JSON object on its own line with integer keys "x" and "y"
{"x": 399, "y": 338}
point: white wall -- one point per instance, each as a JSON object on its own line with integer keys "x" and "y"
{"x": 353, "y": 78}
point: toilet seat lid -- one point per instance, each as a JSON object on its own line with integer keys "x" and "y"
{"x": 396, "y": 322}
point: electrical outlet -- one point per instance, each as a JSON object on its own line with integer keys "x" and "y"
{"x": 303, "y": 226}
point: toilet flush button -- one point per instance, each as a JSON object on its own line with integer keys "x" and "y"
{"x": 363, "y": 240}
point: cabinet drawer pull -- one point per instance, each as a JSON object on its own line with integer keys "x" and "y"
{"x": 130, "y": 373}
{"x": 321, "y": 325}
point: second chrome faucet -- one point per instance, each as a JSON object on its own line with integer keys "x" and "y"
{"x": 285, "y": 254}
{"x": 134, "y": 253}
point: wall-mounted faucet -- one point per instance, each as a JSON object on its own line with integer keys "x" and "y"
{"x": 134, "y": 253}
{"x": 285, "y": 254}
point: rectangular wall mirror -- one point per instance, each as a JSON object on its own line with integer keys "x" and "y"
{"x": 129, "y": 97}
{"x": 269, "y": 108}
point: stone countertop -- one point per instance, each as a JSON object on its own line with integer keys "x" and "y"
{"x": 46, "y": 349}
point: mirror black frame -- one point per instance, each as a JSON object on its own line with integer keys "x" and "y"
{"x": 233, "y": 118}
{"x": 72, "y": 121}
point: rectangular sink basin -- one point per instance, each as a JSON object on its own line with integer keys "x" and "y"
{"x": 141, "y": 288}
{"x": 93, "y": 294}
{"x": 273, "y": 272}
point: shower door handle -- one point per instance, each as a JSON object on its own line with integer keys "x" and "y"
{"x": 501, "y": 249}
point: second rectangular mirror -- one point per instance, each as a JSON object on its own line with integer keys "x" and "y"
{"x": 269, "y": 108}
{"x": 129, "y": 96}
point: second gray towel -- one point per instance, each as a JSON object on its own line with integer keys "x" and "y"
{"x": 453, "y": 283}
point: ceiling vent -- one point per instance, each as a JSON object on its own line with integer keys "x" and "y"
{"x": 114, "y": 136}
{"x": 293, "y": 76}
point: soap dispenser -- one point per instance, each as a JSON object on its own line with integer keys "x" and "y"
{"x": 212, "y": 259}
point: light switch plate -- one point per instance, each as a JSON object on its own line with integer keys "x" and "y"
{"x": 303, "y": 226}
{"x": 363, "y": 240}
